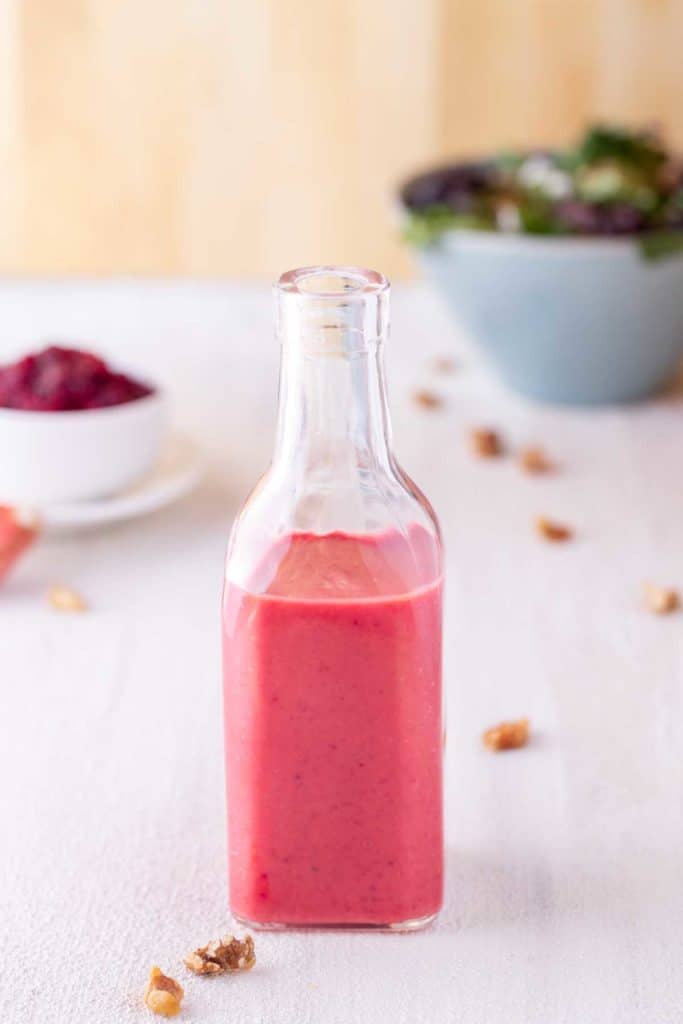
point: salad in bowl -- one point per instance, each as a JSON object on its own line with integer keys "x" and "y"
{"x": 564, "y": 267}
{"x": 611, "y": 183}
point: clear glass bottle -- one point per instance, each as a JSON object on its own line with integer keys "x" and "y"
{"x": 332, "y": 640}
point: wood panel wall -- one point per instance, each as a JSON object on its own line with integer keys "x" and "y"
{"x": 244, "y": 136}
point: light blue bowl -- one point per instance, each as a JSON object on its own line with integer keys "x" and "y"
{"x": 563, "y": 319}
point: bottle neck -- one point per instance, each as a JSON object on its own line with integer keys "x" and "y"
{"x": 333, "y": 420}
{"x": 333, "y": 417}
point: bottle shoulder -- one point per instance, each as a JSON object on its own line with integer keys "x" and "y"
{"x": 375, "y": 534}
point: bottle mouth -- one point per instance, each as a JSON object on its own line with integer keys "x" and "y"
{"x": 328, "y": 310}
{"x": 332, "y": 282}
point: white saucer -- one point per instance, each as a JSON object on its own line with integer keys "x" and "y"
{"x": 178, "y": 471}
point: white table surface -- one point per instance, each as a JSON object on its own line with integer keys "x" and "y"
{"x": 565, "y": 860}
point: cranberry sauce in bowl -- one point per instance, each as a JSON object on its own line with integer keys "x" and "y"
{"x": 104, "y": 433}
{"x": 61, "y": 379}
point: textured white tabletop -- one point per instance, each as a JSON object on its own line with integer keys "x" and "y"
{"x": 565, "y": 860}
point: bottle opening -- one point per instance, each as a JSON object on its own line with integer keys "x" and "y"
{"x": 332, "y": 310}
{"x": 328, "y": 282}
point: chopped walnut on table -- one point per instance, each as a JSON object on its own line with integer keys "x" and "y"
{"x": 661, "y": 600}
{"x": 534, "y": 461}
{"x": 221, "y": 955}
{"x": 445, "y": 364}
{"x": 507, "y": 735}
{"x": 486, "y": 443}
{"x": 552, "y": 531}
{"x": 163, "y": 995}
{"x": 64, "y": 599}
{"x": 428, "y": 399}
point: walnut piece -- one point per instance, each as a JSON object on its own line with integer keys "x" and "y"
{"x": 486, "y": 443}
{"x": 556, "y": 532}
{"x": 445, "y": 364}
{"x": 507, "y": 735}
{"x": 163, "y": 995}
{"x": 534, "y": 460}
{"x": 661, "y": 600}
{"x": 428, "y": 399}
{"x": 221, "y": 955}
{"x": 64, "y": 599}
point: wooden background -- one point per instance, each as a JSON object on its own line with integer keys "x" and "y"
{"x": 244, "y": 136}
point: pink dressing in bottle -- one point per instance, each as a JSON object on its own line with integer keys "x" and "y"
{"x": 332, "y": 642}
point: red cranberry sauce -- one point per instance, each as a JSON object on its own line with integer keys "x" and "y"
{"x": 60, "y": 379}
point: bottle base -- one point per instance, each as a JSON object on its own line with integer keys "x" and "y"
{"x": 415, "y": 924}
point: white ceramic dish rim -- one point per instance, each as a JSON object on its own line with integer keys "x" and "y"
{"x": 106, "y": 412}
{"x": 161, "y": 486}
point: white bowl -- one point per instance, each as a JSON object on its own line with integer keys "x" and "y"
{"x": 48, "y": 457}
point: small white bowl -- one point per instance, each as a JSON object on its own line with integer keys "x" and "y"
{"x": 48, "y": 457}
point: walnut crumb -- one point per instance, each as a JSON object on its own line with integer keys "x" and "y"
{"x": 428, "y": 399}
{"x": 556, "y": 532}
{"x": 163, "y": 995}
{"x": 445, "y": 364}
{"x": 507, "y": 735}
{"x": 486, "y": 443}
{"x": 221, "y": 955}
{"x": 661, "y": 600}
{"x": 64, "y": 599}
{"x": 534, "y": 460}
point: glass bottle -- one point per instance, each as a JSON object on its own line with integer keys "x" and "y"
{"x": 332, "y": 640}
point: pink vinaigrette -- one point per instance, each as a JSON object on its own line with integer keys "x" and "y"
{"x": 332, "y": 640}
